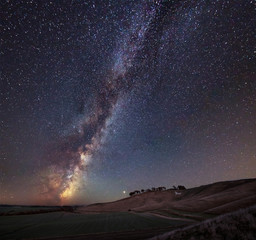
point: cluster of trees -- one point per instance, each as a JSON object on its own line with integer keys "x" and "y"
{"x": 180, "y": 187}
{"x": 153, "y": 189}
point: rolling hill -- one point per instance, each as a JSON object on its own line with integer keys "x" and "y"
{"x": 213, "y": 199}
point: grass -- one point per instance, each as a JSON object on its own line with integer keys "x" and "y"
{"x": 183, "y": 214}
{"x": 232, "y": 226}
{"x": 68, "y": 224}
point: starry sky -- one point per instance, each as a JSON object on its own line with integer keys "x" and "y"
{"x": 104, "y": 96}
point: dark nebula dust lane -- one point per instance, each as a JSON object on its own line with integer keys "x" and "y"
{"x": 102, "y": 97}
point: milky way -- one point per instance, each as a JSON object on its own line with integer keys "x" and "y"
{"x": 78, "y": 148}
{"x": 102, "y": 96}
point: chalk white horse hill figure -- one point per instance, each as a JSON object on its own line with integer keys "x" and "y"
{"x": 177, "y": 193}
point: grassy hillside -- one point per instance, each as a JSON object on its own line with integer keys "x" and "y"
{"x": 233, "y": 226}
{"x": 212, "y": 199}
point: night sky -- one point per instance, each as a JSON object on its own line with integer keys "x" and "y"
{"x": 104, "y": 96}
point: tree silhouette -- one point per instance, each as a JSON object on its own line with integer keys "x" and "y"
{"x": 131, "y": 193}
{"x": 161, "y": 188}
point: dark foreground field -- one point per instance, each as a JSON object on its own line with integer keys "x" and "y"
{"x": 63, "y": 224}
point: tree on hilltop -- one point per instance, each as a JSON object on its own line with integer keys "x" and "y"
{"x": 131, "y": 193}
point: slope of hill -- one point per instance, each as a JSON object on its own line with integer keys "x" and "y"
{"x": 216, "y": 198}
{"x": 240, "y": 224}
